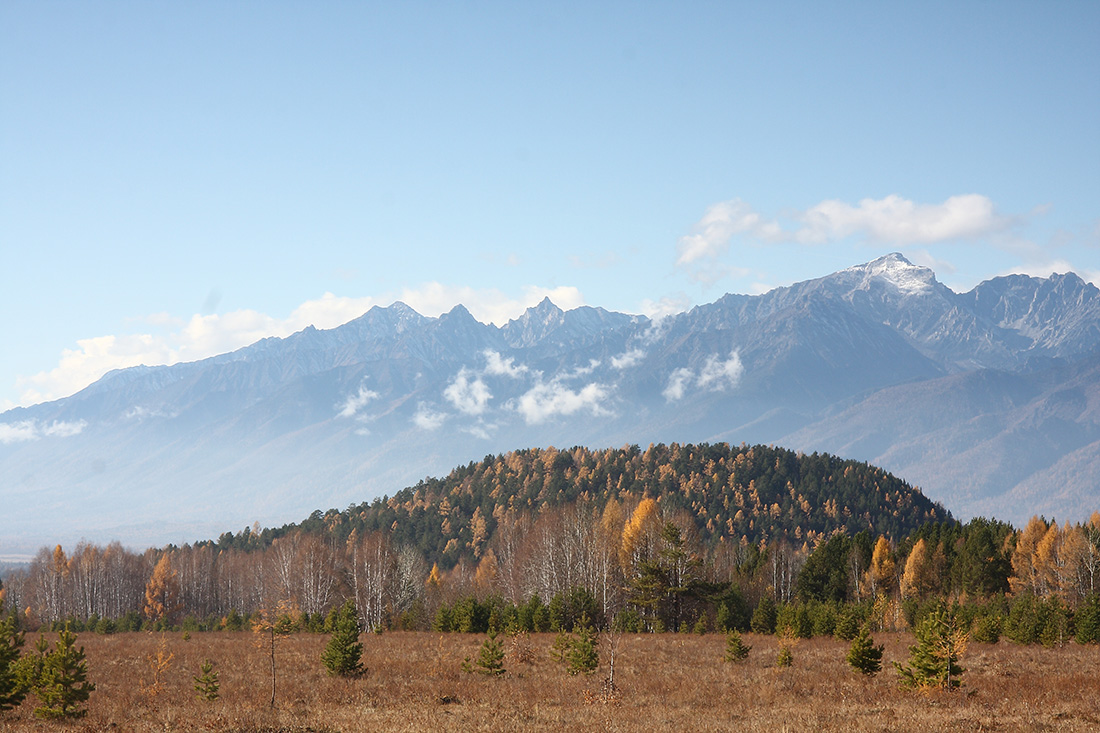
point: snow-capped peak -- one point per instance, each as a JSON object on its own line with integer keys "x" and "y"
{"x": 897, "y": 271}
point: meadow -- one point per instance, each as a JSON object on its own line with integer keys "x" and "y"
{"x": 666, "y": 682}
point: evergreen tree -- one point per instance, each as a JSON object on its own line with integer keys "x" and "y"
{"x": 722, "y": 617}
{"x": 490, "y": 659}
{"x": 933, "y": 660}
{"x": 12, "y": 689}
{"x": 343, "y": 653}
{"x": 736, "y": 650}
{"x": 583, "y": 654}
{"x": 863, "y": 655}
{"x": 763, "y": 618}
{"x": 63, "y": 685}
{"x": 206, "y": 682}
{"x": 1088, "y": 621}
{"x": 847, "y": 624}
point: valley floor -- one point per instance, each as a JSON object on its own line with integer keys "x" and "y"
{"x": 668, "y": 682}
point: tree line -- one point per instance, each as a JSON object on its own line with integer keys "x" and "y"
{"x": 640, "y": 566}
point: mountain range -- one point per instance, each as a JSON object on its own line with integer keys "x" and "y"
{"x": 988, "y": 400}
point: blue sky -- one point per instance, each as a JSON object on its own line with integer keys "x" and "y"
{"x": 181, "y": 179}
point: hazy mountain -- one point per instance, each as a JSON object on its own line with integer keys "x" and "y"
{"x": 986, "y": 399}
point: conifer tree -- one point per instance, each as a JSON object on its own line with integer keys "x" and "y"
{"x": 206, "y": 682}
{"x": 583, "y": 654}
{"x": 63, "y": 685}
{"x": 933, "y": 660}
{"x": 162, "y": 592}
{"x": 343, "y": 654}
{"x": 490, "y": 659}
{"x": 12, "y": 688}
{"x": 763, "y": 618}
{"x": 863, "y": 655}
{"x": 1088, "y": 621}
{"x": 736, "y": 649}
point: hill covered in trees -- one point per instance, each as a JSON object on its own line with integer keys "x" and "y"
{"x": 754, "y": 494}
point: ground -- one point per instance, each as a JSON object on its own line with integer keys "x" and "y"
{"x": 668, "y": 682}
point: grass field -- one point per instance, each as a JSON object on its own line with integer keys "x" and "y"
{"x": 668, "y": 682}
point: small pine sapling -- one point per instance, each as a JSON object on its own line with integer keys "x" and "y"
{"x": 343, "y": 653}
{"x": 12, "y": 688}
{"x": 583, "y": 655}
{"x": 63, "y": 685}
{"x": 863, "y": 655}
{"x": 490, "y": 659}
{"x": 736, "y": 649}
{"x": 787, "y": 640}
{"x": 207, "y": 685}
{"x": 933, "y": 660}
{"x": 560, "y": 647}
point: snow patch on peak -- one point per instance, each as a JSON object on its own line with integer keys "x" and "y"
{"x": 897, "y": 271}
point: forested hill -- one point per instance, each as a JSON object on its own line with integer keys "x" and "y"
{"x": 759, "y": 493}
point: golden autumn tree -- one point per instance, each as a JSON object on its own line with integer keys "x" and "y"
{"x": 1027, "y": 570}
{"x": 639, "y": 534}
{"x": 883, "y": 570}
{"x": 162, "y": 592}
{"x": 915, "y": 579}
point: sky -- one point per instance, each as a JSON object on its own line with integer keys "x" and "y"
{"x": 179, "y": 180}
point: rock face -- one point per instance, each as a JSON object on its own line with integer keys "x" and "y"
{"x": 989, "y": 400}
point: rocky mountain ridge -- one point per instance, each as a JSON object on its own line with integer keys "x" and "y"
{"x": 986, "y": 399}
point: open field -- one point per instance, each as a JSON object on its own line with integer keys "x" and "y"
{"x": 669, "y": 682}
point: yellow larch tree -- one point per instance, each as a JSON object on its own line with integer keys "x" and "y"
{"x": 162, "y": 591}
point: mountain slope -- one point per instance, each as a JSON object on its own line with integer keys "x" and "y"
{"x": 972, "y": 396}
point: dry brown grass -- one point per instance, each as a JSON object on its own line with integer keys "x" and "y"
{"x": 670, "y": 682}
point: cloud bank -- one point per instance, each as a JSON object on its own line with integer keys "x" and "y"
{"x": 891, "y": 220}
{"x": 716, "y": 375}
{"x": 27, "y": 430}
{"x": 547, "y": 399}
{"x": 171, "y": 340}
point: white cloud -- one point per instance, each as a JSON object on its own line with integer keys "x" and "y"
{"x": 174, "y": 339}
{"x": 428, "y": 418}
{"x": 627, "y": 359}
{"x": 711, "y": 235}
{"x": 356, "y": 402}
{"x": 480, "y": 429}
{"x": 669, "y": 305}
{"x": 716, "y": 375}
{"x": 893, "y": 219}
{"x": 1046, "y": 269}
{"x": 547, "y": 399}
{"x": 584, "y": 371}
{"x": 468, "y": 395}
{"x": 18, "y": 432}
{"x": 498, "y": 366}
{"x": 900, "y": 221}
{"x": 677, "y": 383}
{"x": 28, "y": 430}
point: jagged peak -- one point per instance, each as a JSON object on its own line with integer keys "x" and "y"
{"x": 895, "y": 269}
